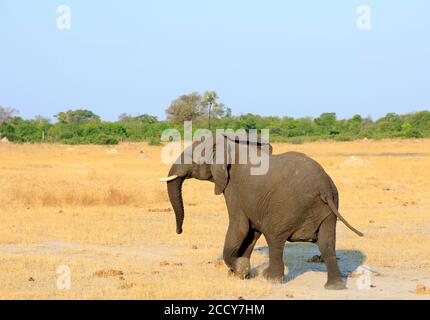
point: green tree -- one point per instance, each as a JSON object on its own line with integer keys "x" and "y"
{"x": 77, "y": 116}
{"x": 40, "y": 120}
{"x": 327, "y": 123}
{"x": 185, "y": 108}
{"x": 144, "y": 118}
{"x": 214, "y": 108}
{"x": 210, "y": 100}
{"x": 390, "y": 124}
{"x": 421, "y": 121}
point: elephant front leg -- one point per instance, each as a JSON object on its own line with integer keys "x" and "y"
{"x": 249, "y": 243}
{"x": 275, "y": 271}
{"x": 235, "y": 237}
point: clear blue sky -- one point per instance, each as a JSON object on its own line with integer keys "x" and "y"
{"x": 296, "y": 58}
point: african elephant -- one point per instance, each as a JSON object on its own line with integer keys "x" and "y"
{"x": 294, "y": 201}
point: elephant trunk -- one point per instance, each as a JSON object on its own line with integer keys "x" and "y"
{"x": 174, "y": 189}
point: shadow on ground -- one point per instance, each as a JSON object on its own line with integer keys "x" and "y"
{"x": 298, "y": 258}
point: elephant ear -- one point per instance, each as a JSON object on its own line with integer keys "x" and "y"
{"x": 220, "y": 177}
{"x": 220, "y": 168}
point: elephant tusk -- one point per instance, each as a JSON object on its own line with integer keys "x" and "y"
{"x": 168, "y": 179}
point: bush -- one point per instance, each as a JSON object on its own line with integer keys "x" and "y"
{"x": 296, "y": 141}
{"x": 148, "y": 128}
{"x": 104, "y": 140}
{"x": 342, "y": 138}
{"x": 412, "y": 133}
{"x": 154, "y": 141}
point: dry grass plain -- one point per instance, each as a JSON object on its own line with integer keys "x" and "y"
{"x": 101, "y": 212}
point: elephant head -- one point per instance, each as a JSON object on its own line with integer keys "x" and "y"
{"x": 207, "y": 167}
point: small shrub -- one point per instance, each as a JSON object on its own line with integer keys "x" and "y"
{"x": 296, "y": 141}
{"x": 105, "y": 140}
{"x": 342, "y": 138}
{"x": 412, "y": 133}
{"x": 117, "y": 197}
{"x": 154, "y": 141}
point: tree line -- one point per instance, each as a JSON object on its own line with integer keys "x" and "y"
{"x": 82, "y": 126}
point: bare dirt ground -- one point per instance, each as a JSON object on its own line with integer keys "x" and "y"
{"x": 101, "y": 212}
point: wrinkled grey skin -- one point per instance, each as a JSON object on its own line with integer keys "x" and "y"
{"x": 295, "y": 201}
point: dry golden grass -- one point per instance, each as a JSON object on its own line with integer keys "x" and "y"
{"x": 102, "y": 213}
{"x": 41, "y": 176}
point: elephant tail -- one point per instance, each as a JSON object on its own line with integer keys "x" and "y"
{"x": 329, "y": 201}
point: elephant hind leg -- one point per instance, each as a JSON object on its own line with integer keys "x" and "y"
{"x": 327, "y": 246}
{"x": 275, "y": 270}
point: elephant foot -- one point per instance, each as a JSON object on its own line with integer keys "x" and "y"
{"x": 337, "y": 284}
{"x": 273, "y": 276}
{"x": 242, "y": 268}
